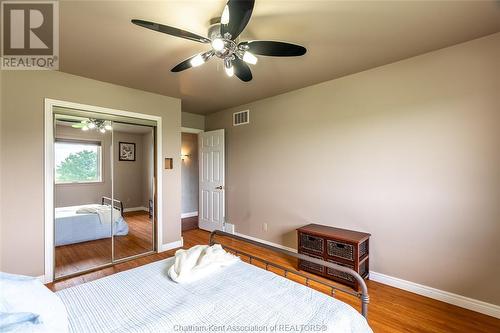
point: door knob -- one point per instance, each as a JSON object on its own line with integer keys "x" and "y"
{"x": 219, "y": 187}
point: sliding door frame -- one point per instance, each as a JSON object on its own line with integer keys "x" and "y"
{"x": 49, "y": 253}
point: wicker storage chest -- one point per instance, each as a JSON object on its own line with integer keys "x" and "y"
{"x": 341, "y": 246}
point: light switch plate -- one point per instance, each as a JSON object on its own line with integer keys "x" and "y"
{"x": 169, "y": 163}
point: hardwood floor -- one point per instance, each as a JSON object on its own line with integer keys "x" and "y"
{"x": 73, "y": 258}
{"x": 390, "y": 310}
{"x": 190, "y": 223}
{"x": 139, "y": 238}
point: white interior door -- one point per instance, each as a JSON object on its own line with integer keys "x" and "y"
{"x": 211, "y": 197}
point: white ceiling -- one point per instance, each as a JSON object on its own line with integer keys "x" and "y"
{"x": 342, "y": 37}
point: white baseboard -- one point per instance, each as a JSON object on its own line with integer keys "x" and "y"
{"x": 191, "y": 214}
{"x": 172, "y": 245}
{"x": 440, "y": 295}
{"x": 135, "y": 209}
{"x": 228, "y": 227}
{"x": 265, "y": 242}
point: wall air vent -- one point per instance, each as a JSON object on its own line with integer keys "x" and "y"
{"x": 241, "y": 118}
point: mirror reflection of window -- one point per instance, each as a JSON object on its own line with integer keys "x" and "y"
{"x": 77, "y": 161}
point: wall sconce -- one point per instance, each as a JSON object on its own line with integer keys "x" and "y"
{"x": 185, "y": 156}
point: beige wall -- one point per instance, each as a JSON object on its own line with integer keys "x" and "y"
{"x": 22, "y": 174}
{"x": 130, "y": 177}
{"x": 189, "y": 173}
{"x": 409, "y": 152}
{"x": 1, "y": 162}
{"x": 191, "y": 120}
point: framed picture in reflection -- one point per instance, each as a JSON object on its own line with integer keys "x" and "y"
{"x": 126, "y": 151}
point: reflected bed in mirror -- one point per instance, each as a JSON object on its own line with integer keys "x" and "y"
{"x": 76, "y": 224}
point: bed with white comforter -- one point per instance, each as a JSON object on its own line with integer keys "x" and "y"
{"x": 237, "y": 298}
{"x": 75, "y": 224}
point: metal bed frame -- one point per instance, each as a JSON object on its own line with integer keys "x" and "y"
{"x": 116, "y": 203}
{"x": 362, "y": 294}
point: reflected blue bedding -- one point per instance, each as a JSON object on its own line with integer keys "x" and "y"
{"x": 72, "y": 227}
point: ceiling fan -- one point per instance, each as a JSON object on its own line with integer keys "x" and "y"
{"x": 223, "y": 37}
{"x": 91, "y": 123}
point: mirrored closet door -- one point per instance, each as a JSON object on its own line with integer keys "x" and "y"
{"x": 104, "y": 190}
{"x": 133, "y": 170}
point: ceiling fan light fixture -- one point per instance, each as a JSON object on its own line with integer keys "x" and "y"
{"x": 91, "y": 125}
{"x": 228, "y": 66}
{"x": 225, "y": 15}
{"x": 197, "y": 61}
{"x": 224, "y": 38}
{"x": 108, "y": 127}
{"x": 102, "y": 130}
{"x": 229, "y": 71}
{"x": 218, "y": 44}
{"x": 249, "y": 58}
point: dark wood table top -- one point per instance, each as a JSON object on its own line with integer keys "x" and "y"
{"x": 338, "y": 233}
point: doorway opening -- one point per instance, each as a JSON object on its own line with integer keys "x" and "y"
{"x": 190, "y": 178}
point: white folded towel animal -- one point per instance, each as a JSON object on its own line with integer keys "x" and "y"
{"x": 198, "y": 262}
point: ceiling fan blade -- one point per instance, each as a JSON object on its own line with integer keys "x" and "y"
{"x": 274, "y": 49}
{"x": 240, "y": 12}
{"x": 171, "y": 31}
{"x": 80, "y": 125}
{"x": 186, "y": 64}
{"x": 241, "y": 70}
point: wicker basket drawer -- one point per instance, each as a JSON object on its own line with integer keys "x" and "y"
{"x": 339, "y": 274}
{"x": 308, "y": 266}
{"x": 340, "y": 250}
{"x": 363, "y": 269}
{"x": 363, "y": 249}
{"x": 311, "y": 243}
